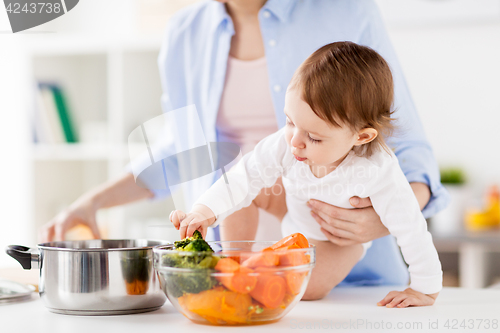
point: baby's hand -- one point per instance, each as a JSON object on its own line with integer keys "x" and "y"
{"x": 199, "y": 219}
{"x": 409, "y": 297}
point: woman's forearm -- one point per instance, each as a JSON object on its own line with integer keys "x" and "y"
{"x": 118, "y": 192}
{"x": 422, "y": 193}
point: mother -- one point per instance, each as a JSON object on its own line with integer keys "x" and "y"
{"x": 233, "y": 59}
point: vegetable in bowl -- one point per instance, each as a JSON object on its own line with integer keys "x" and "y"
{"x": 195, "y": 255}
{"x": 244, "y": 282}
{"x": 195, "y": 243}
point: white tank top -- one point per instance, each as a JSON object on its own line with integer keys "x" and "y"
{"x": 246, "y": 112}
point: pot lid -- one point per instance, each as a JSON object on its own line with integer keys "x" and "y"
{"x": 11, "y": 291}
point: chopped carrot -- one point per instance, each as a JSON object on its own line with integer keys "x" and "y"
{"x": 242, "y": 281}
{"x": 271, "y": 314}
{"x": 270, "y": 290}
{"x": 233, "y": 254}
{"x": 235, "y": 258}
{"x": 294, "y": 239}
{"x": 238, "y": 278}
{"x": 218, "y": 306}
{"x": 294, "y": 281}
{"x": 227, "y": 265}
{"x": 265, "y": 258}
{"x": 293, "y": 258}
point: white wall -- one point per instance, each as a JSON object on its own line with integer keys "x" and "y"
{"x": 15, "y": 195}
{"x": 450, "y": 53}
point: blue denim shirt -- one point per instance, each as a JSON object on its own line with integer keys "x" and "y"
{"x": 193, "y": 62}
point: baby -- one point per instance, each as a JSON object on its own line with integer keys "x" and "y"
{"x": 338, "y": 108}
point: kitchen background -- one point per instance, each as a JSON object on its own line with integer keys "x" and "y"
{"x": 101, "y": 58}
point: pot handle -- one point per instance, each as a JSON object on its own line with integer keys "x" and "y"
{"x": 24, "y": 255}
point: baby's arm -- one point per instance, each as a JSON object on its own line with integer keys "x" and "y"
{"x": 237, "y": 188}
{"x": 398, "y": 208}
{"x": 258, "y": 169}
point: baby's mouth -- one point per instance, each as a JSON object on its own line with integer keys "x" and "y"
{"x": 301, "y": 159}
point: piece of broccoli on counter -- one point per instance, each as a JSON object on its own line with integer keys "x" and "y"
{"x": 195, "y": 258}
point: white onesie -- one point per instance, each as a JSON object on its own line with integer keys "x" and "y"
{"x": 378, "y": 177}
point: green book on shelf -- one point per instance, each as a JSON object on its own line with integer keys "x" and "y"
{"x": 64, "y": 114}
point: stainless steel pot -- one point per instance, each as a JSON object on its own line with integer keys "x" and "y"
{"x": 95, "y": 277}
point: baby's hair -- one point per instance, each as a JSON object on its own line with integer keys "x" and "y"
{"x": 346, "y": 83}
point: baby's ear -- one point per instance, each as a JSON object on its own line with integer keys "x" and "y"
{"x": 366, "y": 135}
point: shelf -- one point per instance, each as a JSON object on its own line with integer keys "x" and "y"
{"x": 83, "y": 151}
{"x": 112, "y": 86}
{"x": 83, "y": 79}
{"x": 78, "y": 151}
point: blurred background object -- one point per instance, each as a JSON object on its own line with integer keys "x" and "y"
{"x": 450, "y": 219}
{"x": 487, "y": 217}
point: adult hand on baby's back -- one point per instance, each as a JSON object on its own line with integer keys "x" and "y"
{"x": 348, "y": 226}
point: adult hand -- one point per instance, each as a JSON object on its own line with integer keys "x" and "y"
{"x": 81, "y": 212}
{"x": 348, "y": 226}
{"x": 117, "y": 192}
{"x": 352, "y": 226}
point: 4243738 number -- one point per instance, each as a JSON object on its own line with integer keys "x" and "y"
{"x": 471, "y": 324}
{"x": 39, "y": 7}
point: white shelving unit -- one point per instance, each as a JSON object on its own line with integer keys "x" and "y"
{"x": 112, "y": 86}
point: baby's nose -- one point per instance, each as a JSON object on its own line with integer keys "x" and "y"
{"x": 297, "y": 143}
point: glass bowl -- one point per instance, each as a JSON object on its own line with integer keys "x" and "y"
{"x": 238, "y": 284}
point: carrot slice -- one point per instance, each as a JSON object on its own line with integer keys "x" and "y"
{"x": 238, "y": 278}
{"x": 265, "y": 259}
{"x": 270, "y": 290}
{"x": 242, "y": 281}
{"x": 294, "y": 281}
{"x": 293, "y": 258}
{"x": 218, "y": 306}
{"x": 294, "y": 239}
{"x": 227, "y": 265}
{"x": 235, "y": 255}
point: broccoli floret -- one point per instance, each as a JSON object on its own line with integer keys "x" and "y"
{"x": 199, "y": 279}
{"x": 182, "y": 243}
{"x": 172, "y": 260}
{"x": 186, "y": 241}
{"x": 208, "y": 262}
{"x": 197, "y": 235}
{"x": 198, "y": 245}
{"x": 193, "y": 282}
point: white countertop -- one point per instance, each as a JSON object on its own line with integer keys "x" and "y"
{"x": 344, "y": 310}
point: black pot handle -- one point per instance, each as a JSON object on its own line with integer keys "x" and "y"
{"x": 20, "y": 253}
